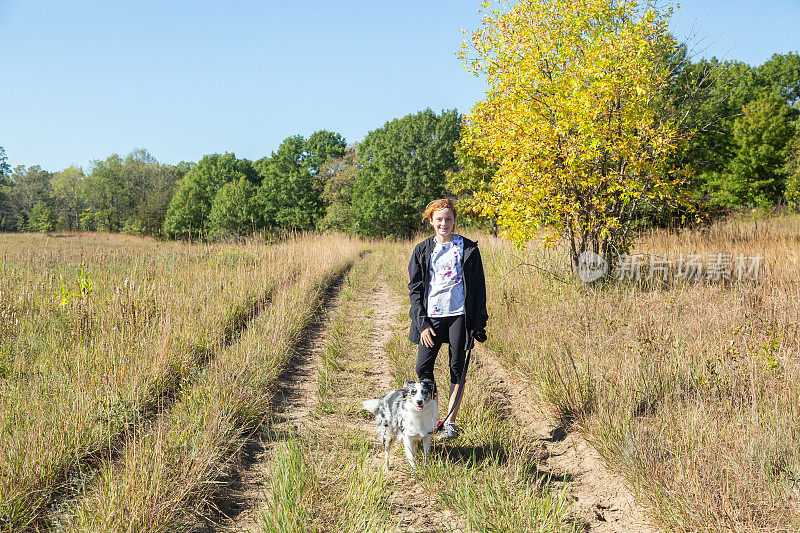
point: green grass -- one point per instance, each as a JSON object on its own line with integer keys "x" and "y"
{"x": 288, "y": 502}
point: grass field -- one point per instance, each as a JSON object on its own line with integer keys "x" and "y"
{"x": 134, "y": 379}
{"x": 690, "y": 389}
{"x": 131, "y": 372}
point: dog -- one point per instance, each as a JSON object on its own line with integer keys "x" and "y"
{"x": 409, "y": 413}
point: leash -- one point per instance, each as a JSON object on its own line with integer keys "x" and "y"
{"x": 461, "y": 380}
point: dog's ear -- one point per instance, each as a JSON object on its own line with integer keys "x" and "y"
{"x": 429, "y": 384}
{"x": 406, "y": 387}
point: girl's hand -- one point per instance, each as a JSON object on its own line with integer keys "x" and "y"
{"x": 426, "y": 337}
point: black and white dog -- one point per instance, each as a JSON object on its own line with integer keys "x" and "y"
{"x": 410, "y": 413}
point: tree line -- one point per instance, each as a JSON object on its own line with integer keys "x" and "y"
{"x": 375, "y": 187}
{"x": 120, "y": 195}
{"x": 743, "y": 151}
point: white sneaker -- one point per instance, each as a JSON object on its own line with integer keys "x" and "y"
{"x": 449, "y": 432}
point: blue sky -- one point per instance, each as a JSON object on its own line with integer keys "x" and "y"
{"x": 85, "y": 79}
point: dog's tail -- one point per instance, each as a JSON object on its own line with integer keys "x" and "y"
{"x": 371, "y": 405}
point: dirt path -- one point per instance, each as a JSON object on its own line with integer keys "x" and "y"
{"x": 410, "y": 500}
{"x": 602, "y": 498}
{"x": 293, "y": 403}
{"x": 384, "y": 309}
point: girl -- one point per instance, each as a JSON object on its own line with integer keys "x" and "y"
{"x": 448, "y": 300}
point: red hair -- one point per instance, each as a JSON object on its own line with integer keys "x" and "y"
{"x": 442, "y": 203}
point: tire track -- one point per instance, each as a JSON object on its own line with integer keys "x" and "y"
{"x": 602, "y": 499}
{"x": 384, "y": 309}
{"x": 295, "y": 414}
{"x": 410, "y": 499}
{"x": 244, "y": 486}
{"x": 83, "y": 471}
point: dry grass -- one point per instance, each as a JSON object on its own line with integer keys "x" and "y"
{"x": 690, "y": 389}
{"x": 128, "y": 384}
{"x": 160, "y": 324}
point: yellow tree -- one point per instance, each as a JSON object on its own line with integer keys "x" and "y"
{"x": 571, "y": 121}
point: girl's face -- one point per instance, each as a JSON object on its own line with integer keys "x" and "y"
{"x": 443, "y": 222}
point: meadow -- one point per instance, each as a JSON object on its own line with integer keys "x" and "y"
{"x": 133, "y": 371}
{"x": 128, "y": 375}
{"x": 688, "y": 387}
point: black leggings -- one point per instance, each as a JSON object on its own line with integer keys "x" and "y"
{"x": 449, "y": 329}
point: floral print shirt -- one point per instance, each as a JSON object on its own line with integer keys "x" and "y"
{"x": 446, "y": 293}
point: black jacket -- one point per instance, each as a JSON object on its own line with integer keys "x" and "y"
{"x": 419, "y": 283}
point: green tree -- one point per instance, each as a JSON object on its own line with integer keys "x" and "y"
{"x": 68, "y": 191}
{"x": 756, "y": 173}
{"x": 139, "y": 170}
{"x": 31, "y": 187}
{"x": 792, "y": 172}
{"x": 289, "y": 192}
{"x": 336, "y": 178}
{"x": 287, "y": 197}
{"x": 712, "y": 97}
{"x": 130, "y": 194}
{"x": 185, "y": 215}
{"x": 152, "y": 210}
{"x": 5, "y": 168}
{"x": 572, "y": 119}
{"x": 108, "y": 195}
{"x": 233, "y": 210}
{"x": 152, "y": 186}
{"x": 404, "y": 164}
{"x": 42, "y": 218}
{"x": 321, "y": 146}
{"x": 7, "y": 217}
{"x": 707, "y": 97}
{"x": 781, "y": 73}
{"x": 189, "y": 209}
